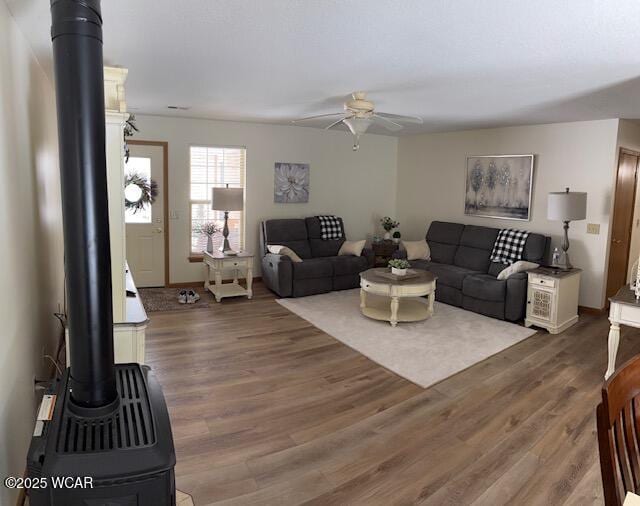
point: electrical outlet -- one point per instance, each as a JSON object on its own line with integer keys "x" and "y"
{"x": 593, "y": 228}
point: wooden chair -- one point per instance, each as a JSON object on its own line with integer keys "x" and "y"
{"x": 618, "y": 419}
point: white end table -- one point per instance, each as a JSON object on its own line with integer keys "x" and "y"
{"x": 552, "y": 298}
{"x": 624, "y": 310}
{"x": 217, "y": 263}
{"x": 398, "y": 302}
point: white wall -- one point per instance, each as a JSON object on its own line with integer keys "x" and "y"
{"x": 359, "y": 186}
{"x": 31, "y": 243}
{"x": 629, "y": 135}
{"x": 580, "y": 155}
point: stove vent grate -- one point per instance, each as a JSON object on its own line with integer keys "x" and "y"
{"x": 131, "y": 426}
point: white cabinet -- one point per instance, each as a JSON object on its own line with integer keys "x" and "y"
{"x": 115, "y": 116}
{"x": 129, "y": 317}
{"x": 552, "y": 298}
{"x": 129, "y": 334}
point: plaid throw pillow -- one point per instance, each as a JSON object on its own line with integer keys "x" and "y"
{"x": 330, "y": 227}
{"x": 509, "y": 246}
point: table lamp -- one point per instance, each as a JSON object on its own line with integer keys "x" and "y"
{"x": 566, "y": 206}
{"x": 227, "y": 199}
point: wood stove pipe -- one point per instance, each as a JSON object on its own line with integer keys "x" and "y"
{"x": 76, "y": 34}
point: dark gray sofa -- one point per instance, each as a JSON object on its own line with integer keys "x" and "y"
{"x": 467, "y": 277}
{"x": 321, "y": 270}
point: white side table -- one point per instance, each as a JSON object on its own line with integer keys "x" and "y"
{"x": 552, "y": 298}
{"x": 217, "y": 263}
{"x": 624, "y": 310}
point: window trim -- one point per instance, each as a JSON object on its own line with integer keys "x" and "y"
{"x": 194, "y": 257}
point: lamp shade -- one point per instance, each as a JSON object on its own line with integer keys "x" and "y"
{"x": 567, "y": 206}
{"x": 227, "y": 199}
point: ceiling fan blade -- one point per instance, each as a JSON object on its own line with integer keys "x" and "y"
{"x": 335, "y": 123}
{"x": 318, "y": 116}
{"x": 398, "y": 117}
{"x": 387, "y": 123}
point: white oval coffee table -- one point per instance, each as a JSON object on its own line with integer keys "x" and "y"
{"x": 397, "y": 300}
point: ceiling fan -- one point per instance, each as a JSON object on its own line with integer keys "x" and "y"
{"x": 359, "y": 114}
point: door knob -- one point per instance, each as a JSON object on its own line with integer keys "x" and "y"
{"x": 617, "y": 241}
{"x": 159, "y": 230}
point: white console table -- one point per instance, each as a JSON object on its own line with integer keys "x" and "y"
{"x": 624, "y": 310}
{"x": 128, "y": 334}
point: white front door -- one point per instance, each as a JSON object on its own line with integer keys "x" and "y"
{"x": 145, "y": 226}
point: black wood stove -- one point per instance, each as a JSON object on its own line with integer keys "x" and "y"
{"x": 107, "y": 424}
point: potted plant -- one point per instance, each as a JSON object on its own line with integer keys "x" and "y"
{"x": 388, "y": 224}
{"x": 396, "y": 236}
{"x": 208, "y": 228}
{"x": 399, "y": 266}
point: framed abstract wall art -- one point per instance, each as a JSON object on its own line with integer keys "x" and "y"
{"x": 499, "y": 186}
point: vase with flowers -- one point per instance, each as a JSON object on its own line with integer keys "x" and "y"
{"x": 208, "y": 228}
{"x": 388, "y": 224}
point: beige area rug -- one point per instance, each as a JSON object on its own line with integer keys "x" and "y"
{"x": 183, "y": 499}
{"x": 423, "y": 352}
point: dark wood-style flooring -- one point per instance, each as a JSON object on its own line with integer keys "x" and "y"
{"x": 267, "y": 409}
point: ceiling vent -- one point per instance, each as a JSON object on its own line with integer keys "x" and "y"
{"x": 178, "y": 107}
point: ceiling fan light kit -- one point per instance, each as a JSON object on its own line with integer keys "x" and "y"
{"x": 357, "y": 126}
{"x": 359, "y": 114}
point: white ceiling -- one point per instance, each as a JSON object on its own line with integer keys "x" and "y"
{"x": 458, "y": 64}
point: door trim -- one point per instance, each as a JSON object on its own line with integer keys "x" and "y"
{"x": 635, "y": 196}
{"x": 631, "y": 152}
{"x": 165, "y": 195}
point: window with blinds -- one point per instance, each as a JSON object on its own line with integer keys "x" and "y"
{"x": 211, "y": 167}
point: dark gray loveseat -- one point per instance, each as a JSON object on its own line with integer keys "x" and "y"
{"x": 321, "y": 270}
{"x": 467, "y": 277}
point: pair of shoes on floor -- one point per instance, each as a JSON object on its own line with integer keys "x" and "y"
{"x": 189, "y": 296}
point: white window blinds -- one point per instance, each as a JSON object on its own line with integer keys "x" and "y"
{"x": 211, "y": 166}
